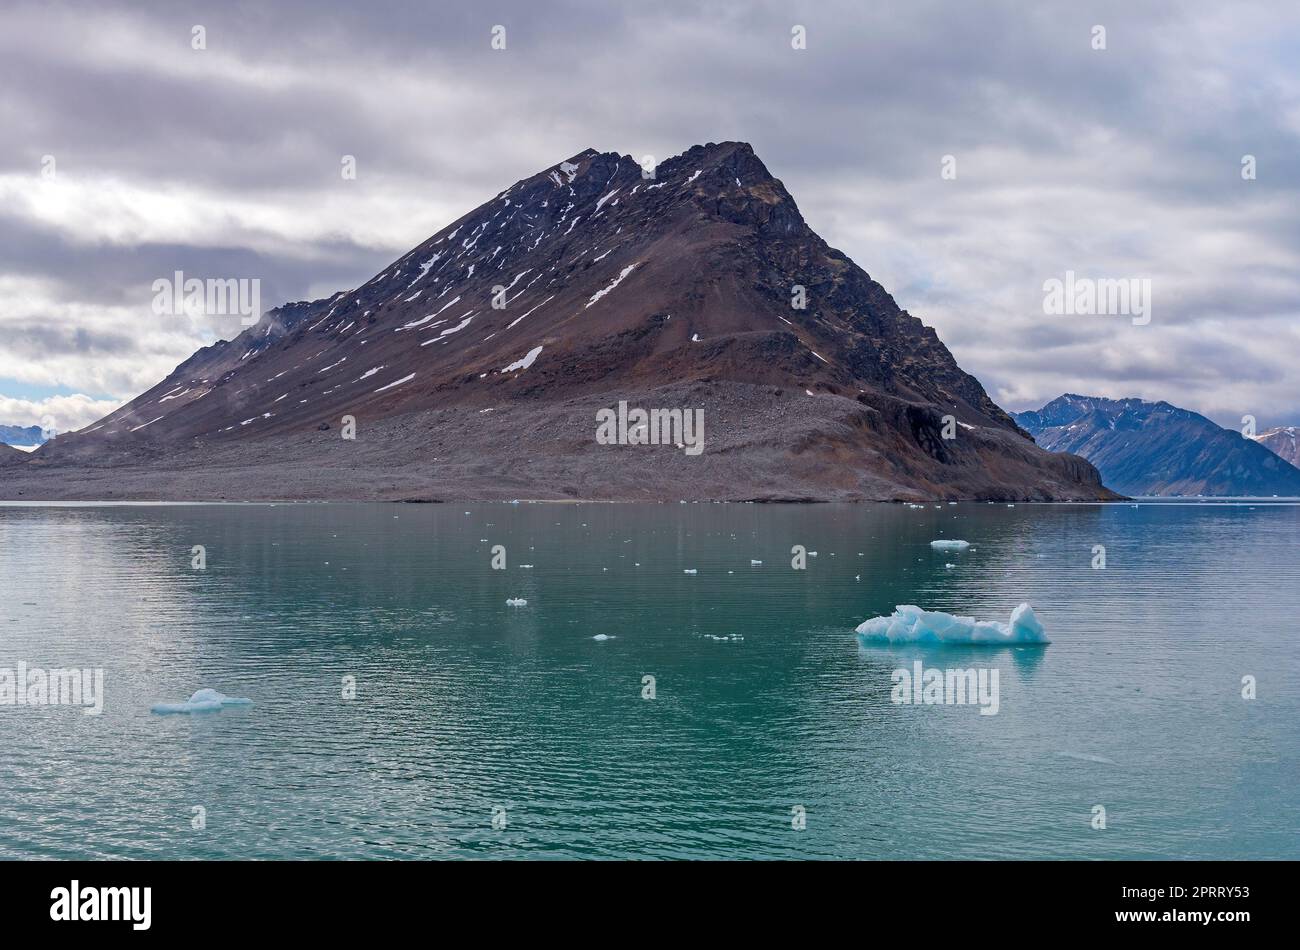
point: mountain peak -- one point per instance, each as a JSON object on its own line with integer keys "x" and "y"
{"x": 602, "y": 279}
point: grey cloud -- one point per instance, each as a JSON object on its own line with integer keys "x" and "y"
{"x": 1068, "y": 158}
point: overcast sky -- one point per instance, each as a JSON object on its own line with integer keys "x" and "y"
{"x": 225, "y": 162}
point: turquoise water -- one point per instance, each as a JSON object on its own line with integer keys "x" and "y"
{"x": 466, "y": 708}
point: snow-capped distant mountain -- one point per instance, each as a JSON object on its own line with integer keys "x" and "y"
{"x": 1281, "y": 441}
{"x": 474, "y": 365}
{"x": 1153, "y": 448}
{"x": 22, "y": 437}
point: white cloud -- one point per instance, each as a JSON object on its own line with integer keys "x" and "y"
{"x": 62, "y": 413}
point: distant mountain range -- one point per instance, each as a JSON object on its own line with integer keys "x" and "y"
{"x": 1154, "y": 448}
{"x": 21, "y": 435}
{"x": 1281, "y": 441}
{"x": 476, "y": 366}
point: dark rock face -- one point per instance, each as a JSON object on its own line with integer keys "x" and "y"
{"x": 580, "y": 286}
{"x": 1153, "y": 448}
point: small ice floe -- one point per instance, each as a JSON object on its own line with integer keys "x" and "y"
{"x": 1086, "y": 757}
{"x": 516, "y": 602}
{"x": 911, "y": 624}
{"x": 754, "y": 563}
{"x": 729, "y": 638}
{"x": 690, "y": 570}
{"x": 525, "y": 567}
{"x": 604, "y": 636}
{"x": 203, "y": 700}
{"x": 946, "y": 544}
{"x": 812, "y": 553}
{"x": 950, "y": 566}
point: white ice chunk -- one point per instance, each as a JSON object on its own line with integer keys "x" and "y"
{"x": 911, "y": 624}
{"x": 516, "y": 602}
{"x": 949, "y": 545}
{"x": 204, "y": 700}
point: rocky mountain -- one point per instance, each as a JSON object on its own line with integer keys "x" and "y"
{"x": 21, "y": 435}
{"x": 1281, "y": 441}
{"x": 475, "y": 365}
{"x": 1153, "y": 448}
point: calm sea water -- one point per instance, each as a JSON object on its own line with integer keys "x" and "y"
{"x": 466, "y": 708}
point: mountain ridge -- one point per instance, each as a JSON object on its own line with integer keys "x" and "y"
{"x": 21, "y": 435}
{"x": 1156, "y": 448}
{"x": 685, "y": 281}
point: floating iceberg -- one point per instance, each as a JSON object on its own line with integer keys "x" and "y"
{"x": 947, "y": 545}
{"x": 910, "y": 624}
{"x": 516, "y": 602}
{"x": 205, "y": 700}
{"x": 603, "y": 636}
